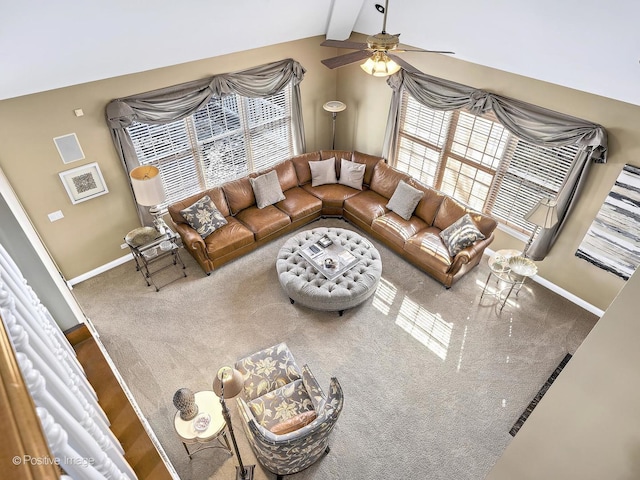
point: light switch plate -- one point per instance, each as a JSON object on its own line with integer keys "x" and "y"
{"x": 57, "y": 215}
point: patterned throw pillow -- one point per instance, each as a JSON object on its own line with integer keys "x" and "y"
{"x": 294, "y": 423}
{"x": 267, "y": 189}
{"x": 404, "y": 200}
{"x": 204, "y": 217}
{"x": 460, "y": 234}
{"x": 351, "y": 174}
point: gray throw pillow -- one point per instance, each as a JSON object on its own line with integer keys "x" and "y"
{"x": 204, "y": 217}
{"x": 460, "y": 234}
{"x": 267, "y": 189}
{"x": 323, "y": 172}
{"x": 404, "y": 200}
{"x": 351, "y": 174}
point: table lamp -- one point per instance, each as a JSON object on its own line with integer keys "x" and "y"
{"x": 227, "y": 384}
{"x": 544, "y": 214}
{"x": 147, "y": 188}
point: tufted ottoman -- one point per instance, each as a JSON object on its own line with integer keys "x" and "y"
{"x": 305, "y": 285}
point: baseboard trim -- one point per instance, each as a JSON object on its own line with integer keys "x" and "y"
{"x": 99, "y": 270}
{"x": 561, "y": 291}
{"x": 538, "y": 279}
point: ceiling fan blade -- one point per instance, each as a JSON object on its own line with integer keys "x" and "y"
{"x": 402, "y": 48}
{"x": 344, "y": 44}
{"x": 407, "y": 66}
{"x": 346, "y": 59}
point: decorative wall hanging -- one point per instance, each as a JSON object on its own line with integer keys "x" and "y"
{"x": 69, "y": 148}
{"x": 613, "y": 240}
{"x": 83, "y": 183}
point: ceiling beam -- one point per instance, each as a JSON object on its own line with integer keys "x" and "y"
{"x": 344, "y": 14}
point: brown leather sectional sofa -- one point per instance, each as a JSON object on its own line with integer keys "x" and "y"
{"x": 417, "y": 240}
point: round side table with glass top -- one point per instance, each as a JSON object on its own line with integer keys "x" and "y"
{"x": 207, "y": 426}
{"x": 510, "y": 269}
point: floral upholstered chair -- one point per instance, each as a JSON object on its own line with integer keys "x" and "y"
{"x": 286, "y": 415}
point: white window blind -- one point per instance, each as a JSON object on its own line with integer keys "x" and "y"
{"x": 226, "y": 139}
{"x": 476, "y": 160}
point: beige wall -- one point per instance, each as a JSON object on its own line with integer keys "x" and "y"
{"x": 91, "y": 232}
{"x": 586, "y": 426}
{"x": 366, "y": 115}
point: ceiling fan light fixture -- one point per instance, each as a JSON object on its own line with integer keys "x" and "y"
{"x": 380, "y": 65}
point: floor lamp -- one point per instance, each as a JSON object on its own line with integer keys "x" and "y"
{"x": 334, "y": 106}
{"x": 544, "y": 214}
{"x": 147, "y": 187}
{"x": 227, "y": 384}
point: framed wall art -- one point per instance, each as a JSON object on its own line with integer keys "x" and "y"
{"x": 83, "y": 183}
{"x": 613, "y": 240}
{"x": 69, "y": 148}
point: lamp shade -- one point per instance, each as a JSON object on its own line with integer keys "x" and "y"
{"x": 380, "y": 65}
{"x": 544, "y": 214}
{"x": 232, "y": 381}
{"x": 147, "y": 185}
{"x": 334, "y": 106}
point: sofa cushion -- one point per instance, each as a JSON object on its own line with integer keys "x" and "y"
{"x": 370, "y": 161}
{"x": 286, "y": 175}
{"x": 239, "y": 194}
{"x": 460, "y": 234}
{"x": 331, "y": 195}
{"x": 228, "y": 239}
{"x": 338, "y": 155}
{"x": 395, "y": 229}
{"x": 427, "y": 249}
{"x": 266, "y": 189}
{"x": 299, "y": 204}
{"x": 294, "y": 423}
{"x": 351, "y": 174}
{"x": 404, "y": 200}
{"x": 203, "y": 216}
{"x": 264, "y": 222}
{"x": 366, "y": 206}
{"x": 450, "y": 210}
{"x": 385, "y": 179}
{"x": 301, "y": 166}
{"x": 323, "y": 172}
{"x": 429, "y": 204}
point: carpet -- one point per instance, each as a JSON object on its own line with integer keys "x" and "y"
{"x": 539, "y": 395}
{"x": 433, "y": 378}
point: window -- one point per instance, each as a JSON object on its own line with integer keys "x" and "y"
{"x": 476, "y": 160}
{"x": 226, "y": 139}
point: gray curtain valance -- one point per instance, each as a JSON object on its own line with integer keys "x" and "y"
{"x": 179, "y": 101}
{"x": 532, "y": 123}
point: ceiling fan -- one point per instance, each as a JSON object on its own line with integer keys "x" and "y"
{"x": 379, "y": 51}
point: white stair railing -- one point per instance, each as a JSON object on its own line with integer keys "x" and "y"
{"x": 76, "y": 427}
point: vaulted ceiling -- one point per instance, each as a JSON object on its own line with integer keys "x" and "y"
{"x": 588, "y": 45}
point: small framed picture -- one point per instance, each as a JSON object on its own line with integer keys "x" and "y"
{"x": 83, "y": 183}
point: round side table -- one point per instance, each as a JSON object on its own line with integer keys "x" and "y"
{"x": 208, "y": 404}
{"x": 511, "y": 276}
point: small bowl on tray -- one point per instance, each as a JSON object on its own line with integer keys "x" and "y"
{"x": 522, "y": 266}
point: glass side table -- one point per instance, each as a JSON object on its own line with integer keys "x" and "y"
{"x": 207, "y": 426}
{"x": 149, "y": 248}
{"x": 510, "y": 270}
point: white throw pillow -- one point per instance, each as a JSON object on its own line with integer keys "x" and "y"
{"x": 404, "y": 200}
{"x": 351, "y": 174}
{"x": 267, "y": 189}
{"x": 323, "y": 172}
